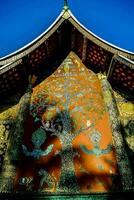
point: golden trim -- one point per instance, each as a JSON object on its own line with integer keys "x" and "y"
{"x": 125, "y": 61}
{"x": 66, "y": 15}
{"x": 10, "y": 66}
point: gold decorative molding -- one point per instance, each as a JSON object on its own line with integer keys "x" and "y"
{"x": 3, "y": 139}
{"x": 9, "y": 66}
{"x": 125, "y": 107}
{"x": 9, "y": 113}
{"x": 101, "y": 76}
{"x": 66, "y": 15}
{"x": 125, "y": 61}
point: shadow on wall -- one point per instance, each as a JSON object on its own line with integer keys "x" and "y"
{"x": 72, "y": 175}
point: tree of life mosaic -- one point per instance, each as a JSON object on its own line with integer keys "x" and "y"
{"x": 67, "y": 144}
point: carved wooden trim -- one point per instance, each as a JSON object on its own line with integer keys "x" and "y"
{"x": 125, "y": 61}
{"x": 9, "y": 66}
{"x": 100, "y": 42}
{"x": 33, "y": 46}
{"x": 73, "y": 38}
{"x": 84, "y": 50}
{"x": 111, "y": 67}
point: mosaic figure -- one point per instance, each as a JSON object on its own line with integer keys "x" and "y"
{"x": 95, "y": 138}
{"x": 38, "y": 138}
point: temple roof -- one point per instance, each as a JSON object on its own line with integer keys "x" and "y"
{"x": 46, "y": 52}
{"x": 23, "y": 21}
{"x": 110, "y": 20}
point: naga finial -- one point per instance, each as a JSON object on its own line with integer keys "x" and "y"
{"x": 65, "y": 5}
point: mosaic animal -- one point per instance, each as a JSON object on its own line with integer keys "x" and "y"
{"x": 50, "y": 180}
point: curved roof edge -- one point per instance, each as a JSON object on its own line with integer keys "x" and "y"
{"x": 93, "y": 37}
{"x": 65, "y": 14}
{"x": 32, "y": 45}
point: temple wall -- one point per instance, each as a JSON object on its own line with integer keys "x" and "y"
{"x": 73, "y": 121}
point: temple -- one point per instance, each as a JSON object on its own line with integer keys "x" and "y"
{"x": 67, "y": 116}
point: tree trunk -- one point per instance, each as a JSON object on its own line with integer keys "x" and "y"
{"x": 68, "y": 181}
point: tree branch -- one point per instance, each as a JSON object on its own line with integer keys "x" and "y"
{"x": 81, "y": 130}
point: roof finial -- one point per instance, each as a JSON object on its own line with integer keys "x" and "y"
{"x": 65, "y": 5}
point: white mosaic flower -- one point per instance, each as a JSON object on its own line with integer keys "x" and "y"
{"x": 88, "y": 123}
{"x": 82, "y": 69}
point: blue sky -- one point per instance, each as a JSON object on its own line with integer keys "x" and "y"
{"x": 23, "y": 21}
